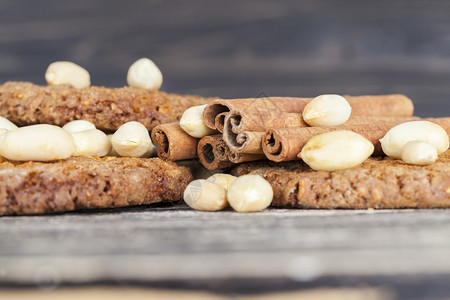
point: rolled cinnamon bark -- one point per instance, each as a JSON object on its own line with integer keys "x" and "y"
{"x": 250, "y": 142}
{"x": 221, "y": 149}
{"x": 239, "y": 120}
{"x": 284, "y": 144}
{"x": 244, "y": 128}
{"x": 207, "y": 153}
{"x": 395, "y": 105}
{"x": 246, "y": 142}
{"x": 173, "y": 143}
{"x": 219, "y": 106}
{"x": 237, "y": 158}
{"x": 219, "y": 121}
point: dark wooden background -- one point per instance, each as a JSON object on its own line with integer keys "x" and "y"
{"x": 241, "y": 48}
{"x": 236, "y": 49}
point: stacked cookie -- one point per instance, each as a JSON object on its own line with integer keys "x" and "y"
{"x": 47, "y": 168}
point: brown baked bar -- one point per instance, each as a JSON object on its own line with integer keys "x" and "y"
{"x": 25, "y": 103}
{"x": 377, "y": 183}
{"x": 88, "y": 182}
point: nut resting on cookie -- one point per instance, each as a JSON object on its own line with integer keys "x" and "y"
{"x": 419, "y": 153}
{"x": 132, "y": 139}
{"x": 78, "y": 125}
{"x": 91, "y": 142}
{"x": 40, "y": 142}
{"x": 143, "y": 73}
{"x": 396, "y": 138}
{"x": 7, "y": 124}
{"x": 66, "y": 72}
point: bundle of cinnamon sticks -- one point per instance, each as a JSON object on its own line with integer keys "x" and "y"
{"x": 273, "y": 128}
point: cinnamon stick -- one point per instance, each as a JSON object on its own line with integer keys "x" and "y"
{"x": 246, "y": 142}
{"x": 239, "y": 120}
{"x": 219, "y": 121}
{"x": 173, "y": 143}
{"x": 237, "y": 158}
{"x": 284, "y": 144}
{"x": 221, "y": 149}
{"x": 207, "y": 153}
{"x": 250, "y": 142}
{"x": 219, "y": 106}
{"x": 395, "y": 105}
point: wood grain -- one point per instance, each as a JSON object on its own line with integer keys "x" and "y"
{"x": 162, "y": 246}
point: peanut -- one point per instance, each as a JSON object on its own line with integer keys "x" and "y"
{"x": 336, "y": 150}
{"x": 327, "y": 111}
{"x": 224, "y": 180}
{"x": 205, "y": 195}
{"x": 132, "y": 139}
{"x": 65, "y": 72}
{"x": 91, "y": 142}
{"x": 40, "y": 142}
{"x": 192, "y": 122}
{"x": 419, "y": 153}
{"x": 396, "y": 138}
{"x": 144, "y": 74}
{"x": 250, "y": 193}
{"x": 7, "y": 124}
{"x": 78, "y": 125}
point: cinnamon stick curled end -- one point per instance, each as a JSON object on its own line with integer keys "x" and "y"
{"x": 283, "y": 144}
{"x": 219, "y": 121}
{"x": 212, "y": 110}
{"x": 237, "y": 158}
{"x": 209, "y": 155}
{"x": 173, "y": 143}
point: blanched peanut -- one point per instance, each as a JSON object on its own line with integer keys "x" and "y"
{"x": 3, "y": 131}
{"x": 78, "y": 125}
{"x": 419, "y": 153}
{"x": 144, "y": 74}
{"x": 132, "y": 139}
{"x": 7, "y": 124}
{"x": 224, "y": 180}
{"x": 205, "y": 195}
{"x": 327, "y": 111}
{"x": 336, "y": 150}
{"x": 149, "y": 153}
{"x": 66, "y": 72}
{"x": 394, "y": 140}
{"x": 192, "y": 122}
{"x": 37, "y": 142}
{"x": 91, "y": 142}
{"x": 249, "y": 193}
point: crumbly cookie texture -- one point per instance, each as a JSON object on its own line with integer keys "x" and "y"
{"x": 88, "y": 182}
{"x": 379, "y": 183}
{"x": 25, "y": 103}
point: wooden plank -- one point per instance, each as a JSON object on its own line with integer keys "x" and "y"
{"x": 157, "y": 243}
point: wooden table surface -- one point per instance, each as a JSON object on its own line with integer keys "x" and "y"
{"x": 278, "y": 249}
{"x": 236, "y": 49}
